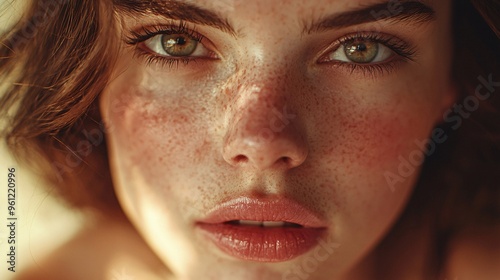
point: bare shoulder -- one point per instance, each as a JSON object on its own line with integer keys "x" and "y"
{"x": 104, "y": 250}
{"x": 475, "y": 254}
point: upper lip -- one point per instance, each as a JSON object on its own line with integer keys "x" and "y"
{"x": 278, "y": 209}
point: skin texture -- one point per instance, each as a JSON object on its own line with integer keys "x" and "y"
{"x": 264, "y": 118}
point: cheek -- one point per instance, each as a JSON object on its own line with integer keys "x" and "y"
{"x": 379, "y": 140}
{"x": 154, "y": 141}
{"x": 370, "y": 144}
{"x": 370, "y": 137}
{"x": 153, "y": 134}
{"x": 358, "y": 140}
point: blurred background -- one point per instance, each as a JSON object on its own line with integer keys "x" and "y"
{"x": 42, "y": 222}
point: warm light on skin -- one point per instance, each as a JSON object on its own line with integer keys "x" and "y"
{"x": 175, "y": 131}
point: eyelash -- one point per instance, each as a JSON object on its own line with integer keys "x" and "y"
{"x": 136, "y": 38}
{"x": 403, "y": 50}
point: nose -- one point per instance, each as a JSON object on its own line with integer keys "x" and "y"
{"x": 262, "y": 131}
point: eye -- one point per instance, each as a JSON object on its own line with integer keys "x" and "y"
{"x": 176, "y": 45}
{"x": 361, "y": 51}
{"x": 368, "y": 53}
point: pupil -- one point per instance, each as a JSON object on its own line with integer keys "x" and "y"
{"x": 361, "y": 47}
{"x": 180, "y": 41}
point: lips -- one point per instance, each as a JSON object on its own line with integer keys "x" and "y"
{"x": 264, "y": 230}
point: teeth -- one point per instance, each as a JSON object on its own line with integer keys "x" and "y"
{"x": 273, "y": 224}
{"x": 250, "y": 223}
{"x": 261, "y": 224}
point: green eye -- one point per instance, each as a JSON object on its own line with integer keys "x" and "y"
{"x": 178, "y": 44}
{"x": 361, "y": 51}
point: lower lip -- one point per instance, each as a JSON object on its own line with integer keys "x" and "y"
{"x": 262, "y": 244}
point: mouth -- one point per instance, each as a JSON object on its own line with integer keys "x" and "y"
{"x": 267, "y": 224}
{"x": 263, "y": 230}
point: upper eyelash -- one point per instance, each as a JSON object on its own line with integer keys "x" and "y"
{"x": 148, "y": 32}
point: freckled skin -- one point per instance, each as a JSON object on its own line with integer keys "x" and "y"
{"x": 266, "y": 119}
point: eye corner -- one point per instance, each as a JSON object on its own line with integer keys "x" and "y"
{"x": 323, "y": 55}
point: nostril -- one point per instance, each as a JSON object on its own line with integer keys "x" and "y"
{"x": 240, "y": 159}
{"x": 285, "y": 160}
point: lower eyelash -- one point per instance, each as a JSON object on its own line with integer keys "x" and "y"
{"x": 369, "y": 69}
{"x": 163, "y": 61}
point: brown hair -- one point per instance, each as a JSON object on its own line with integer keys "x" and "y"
{"x": 54, "y": 63}
{"x": 56, "y": 60}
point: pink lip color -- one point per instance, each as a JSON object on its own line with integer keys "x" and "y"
{"x": 263, "y": 244}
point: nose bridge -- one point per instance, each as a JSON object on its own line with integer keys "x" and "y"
{"x": 261, "y": 86}
{"x": 260, "y": 102}
{"x": 261, "y": 131}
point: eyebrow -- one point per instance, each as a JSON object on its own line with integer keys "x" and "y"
{"x": 408, "y": 11}
{"x": 176, "y": 10}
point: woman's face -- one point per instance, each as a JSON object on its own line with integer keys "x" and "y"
{"x": 312, "y": 113}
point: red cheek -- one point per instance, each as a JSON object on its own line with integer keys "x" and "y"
{"x": 373, "y": 139}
